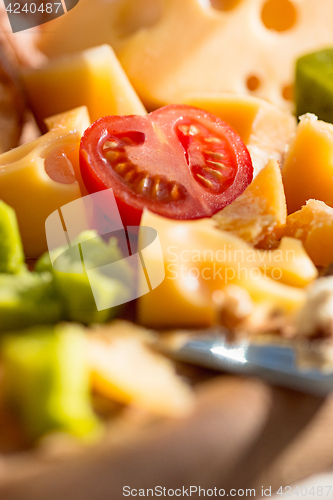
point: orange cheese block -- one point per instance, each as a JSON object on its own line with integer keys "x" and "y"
{"x": 259, "y": 210}
{"x": 39, "y": 177}
{"x": 308, "y": 169}
{"x": 313, "y": 224}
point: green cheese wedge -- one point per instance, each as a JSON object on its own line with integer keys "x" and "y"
{"x": 11, "y": 249}
{"x": 314, "y": 85}
{"x": 46, "y": 380}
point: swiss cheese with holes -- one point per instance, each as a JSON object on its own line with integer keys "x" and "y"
{"x": 249, "y": 46}
{"x": 39, "y": 177}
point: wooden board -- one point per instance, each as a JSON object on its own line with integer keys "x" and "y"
{"x": 244, "y": 434}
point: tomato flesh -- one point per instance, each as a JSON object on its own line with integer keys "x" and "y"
{"x": 179, "y": 161}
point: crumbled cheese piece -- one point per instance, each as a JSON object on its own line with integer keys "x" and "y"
{"x": 317, "y": 314}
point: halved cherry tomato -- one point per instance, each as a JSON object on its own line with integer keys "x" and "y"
{"x": 179, "y": 161}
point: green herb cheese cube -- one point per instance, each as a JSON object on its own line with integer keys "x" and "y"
{"x": 314, "y": 84}
{"x": 11, "y": 249}
{"x": 73, "y": 285}
{"x": 46, "y": 380}
{"x": 28, "y": 299}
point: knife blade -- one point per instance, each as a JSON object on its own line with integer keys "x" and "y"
{"x": 276, "y": 363}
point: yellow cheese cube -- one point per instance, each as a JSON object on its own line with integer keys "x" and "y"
{"x": 313, "y": 224}
{"x": 39, "y": 177}
{"x": 200, "y": 260}
{"x": 93, "y": 78}
{"x": 308, "y": 168}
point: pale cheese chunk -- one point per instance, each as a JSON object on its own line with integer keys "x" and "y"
{"x": 92, "y": 78}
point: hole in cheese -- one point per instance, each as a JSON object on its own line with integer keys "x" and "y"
{"x": 279, "y": 15}
{"x": 224, "y": 4}
{"x": 253, "y": 83}
{"x": 288, "y": 92}
{"x": 58, "y": 167}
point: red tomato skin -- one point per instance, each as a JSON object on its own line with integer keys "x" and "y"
{"x": 130, "y": 204}
{"x": 130, "y": 216}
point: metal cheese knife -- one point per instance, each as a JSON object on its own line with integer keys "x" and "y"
{"x": 274, "y": 362}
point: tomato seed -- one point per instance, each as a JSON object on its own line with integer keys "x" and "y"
{"x": 215, "y": 154}
{"x": 184, "y": 129}
{"x": 193, "y": 130}
{"x": 112, "y": 156}
{"x": 110, "y": 144}
{"x": 130, "y": 175}
{"x": 176, "y": 193}
{"x": 217, "y": 164}
{"x": 155, "y": 188}
{"x": 215, "y": 140}
{"x": 189, "y": 129}
{"x": 215, "y": 173}
{"x": 159, "y": 190}
{"x": 205, "y": 182}
{"x": 144, "y": 185}
{"x": 121, "y": 168}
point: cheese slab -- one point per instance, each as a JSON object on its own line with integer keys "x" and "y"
{"x": 250, "y": 48}
{"x": 92, "y": 78}
{"x": 39, "y": 177}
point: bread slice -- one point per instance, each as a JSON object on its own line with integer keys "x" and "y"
{"x": 12, "y": 106}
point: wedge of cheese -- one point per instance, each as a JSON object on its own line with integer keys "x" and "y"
{"x": 313, "y": 225}
{"x": 92, "y": 78}
{"x": 39, "y": 177}
{"x": 259, "y": 210}
{"x": 290, "y": 264}
{"x": 308, "y": 168}
{"x": 246, "y": 47}
{"x": 200, "y": 260}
